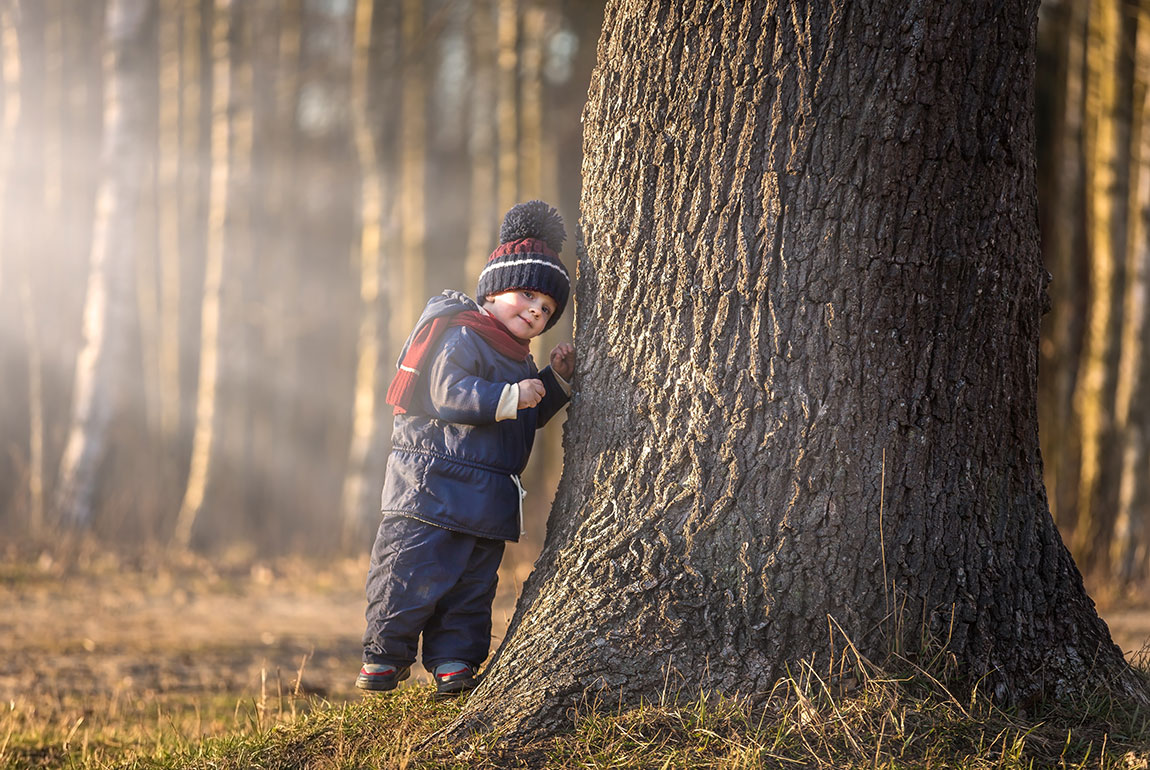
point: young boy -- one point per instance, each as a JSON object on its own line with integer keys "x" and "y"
{"x": 467, "y": 400}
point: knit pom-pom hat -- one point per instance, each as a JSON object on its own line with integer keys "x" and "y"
{"x": 528, "y": 256}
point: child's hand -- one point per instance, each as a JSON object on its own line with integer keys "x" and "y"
{"x": 531, "y": 392}
{"x": 563, "y": 360}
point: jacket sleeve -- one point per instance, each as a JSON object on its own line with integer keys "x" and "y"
{"x": 456, "y": 392}
{"x": 554, "y": 399}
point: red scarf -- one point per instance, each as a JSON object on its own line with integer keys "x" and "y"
{"x": 424, "y": 339}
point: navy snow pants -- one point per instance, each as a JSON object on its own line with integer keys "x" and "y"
{"x": 430, "y": 580}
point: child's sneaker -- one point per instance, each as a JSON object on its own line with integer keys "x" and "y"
{"x": 381, "y": 677}
{"x": 454, "y": 677}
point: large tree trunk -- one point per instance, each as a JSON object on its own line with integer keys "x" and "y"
{"x": 807, "y": 325}
{"x": 103, "y": 361}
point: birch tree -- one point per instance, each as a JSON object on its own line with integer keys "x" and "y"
{"x": 10, "y": 75}
{"x": 103, "y": 362}
{"x": 1110, "y": 55}
{"x": 507, "y": 104}
{"x": 9, "y": 118}
{"x": 9, "y": 122}
{"x": 1064, "y": 253}
{"x": 215, "y": 261}
{"x": 360, "y": 488}
{"x": 168, "y": 215}
{"x": 481, "y": 139}
{"x": 1129, "y": 540}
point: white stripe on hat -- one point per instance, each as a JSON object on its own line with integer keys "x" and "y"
{"x": 516, "y": 262}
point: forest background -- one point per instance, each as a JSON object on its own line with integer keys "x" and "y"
{"x": 220, "y": 218}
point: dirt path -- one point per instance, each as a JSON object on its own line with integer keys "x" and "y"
{"x": 109, "y": 628}
{"x": 197, "y": 628}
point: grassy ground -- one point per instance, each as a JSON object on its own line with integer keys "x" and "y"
{"x": 893, "y": 716}
{"x": 169, "y": 664}
{"x": 872, "y": 718}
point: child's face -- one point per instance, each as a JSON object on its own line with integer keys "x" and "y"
{"x": 524, "y": 312}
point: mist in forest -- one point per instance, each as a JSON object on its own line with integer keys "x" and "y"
{"x": 218, "y": 221}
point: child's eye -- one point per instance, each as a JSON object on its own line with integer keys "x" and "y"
{"x": 528, "y": 295}
{"x": 546, "y": 310}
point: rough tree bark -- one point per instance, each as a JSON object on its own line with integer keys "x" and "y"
{"x": 812, "y": 265}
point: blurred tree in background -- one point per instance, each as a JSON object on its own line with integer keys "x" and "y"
{"x": 218, "y": 222}
{"x": 1094, "y": 195}
{"x": 218, "y": 219}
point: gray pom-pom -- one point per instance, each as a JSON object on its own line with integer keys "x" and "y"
{"x": 534, "y": 219}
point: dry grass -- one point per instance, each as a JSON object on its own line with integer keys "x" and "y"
{"x": 104, "y": 729}
{"x": 897, "y": 715}
{"x": 108, "y": 657}
{"x": 902, "y": 712}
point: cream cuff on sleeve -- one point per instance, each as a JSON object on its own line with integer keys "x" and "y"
{"x": 508, "y": 408}
{"x": 562, "y": 382}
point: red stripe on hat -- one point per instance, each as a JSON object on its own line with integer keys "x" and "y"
{"x": 523, "y": 246}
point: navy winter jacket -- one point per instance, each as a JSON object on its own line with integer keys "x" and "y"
{"x": 451, "y": 463}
